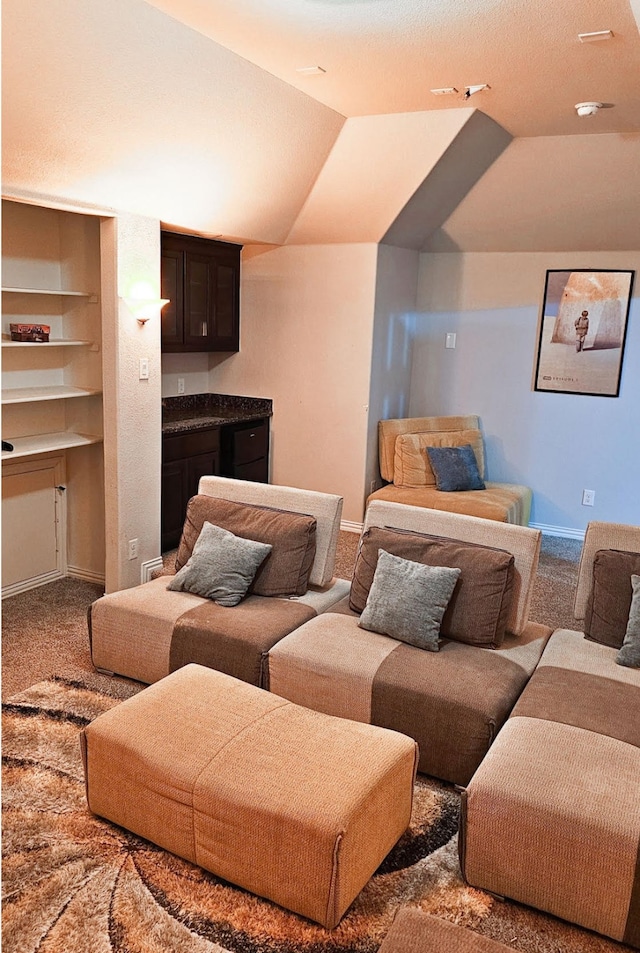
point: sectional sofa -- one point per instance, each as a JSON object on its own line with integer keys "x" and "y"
{"x": 540, "y": 730}
{"x": 552, "y": 816}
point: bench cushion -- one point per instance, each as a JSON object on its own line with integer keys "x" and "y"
{"x": 148, "y": 631}
{"x": 452, "y": 702}
{"x": 552, "y": 816}
{"x": 292, "y": 537}
{"x": 478, "y": 610}
{"x": 505, "y": 502}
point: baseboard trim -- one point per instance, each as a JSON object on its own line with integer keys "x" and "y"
{"x": 86, "y": 575}
{"x": 25, "y": 584}
{"x": 148, "y": 567}
{"x": 348, "y": 527}
{"x": 566, "y": 532}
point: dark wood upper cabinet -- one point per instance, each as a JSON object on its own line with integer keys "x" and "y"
{"x": 201, "y": 278}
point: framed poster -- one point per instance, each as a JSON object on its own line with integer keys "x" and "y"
{"x": 583, "y": 327}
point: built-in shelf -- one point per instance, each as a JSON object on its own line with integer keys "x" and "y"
{"x": 24, "y": 395}
{"x": 50, "y": 291}
{"x": 46, "y": 443}
{"x": 56, "y": 342}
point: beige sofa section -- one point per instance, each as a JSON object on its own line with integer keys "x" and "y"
{"x": 452, "y": 702}
{"x": 552, "y": 816}
{"x": 504, "y": 502}
{"x": 148, "y": 631}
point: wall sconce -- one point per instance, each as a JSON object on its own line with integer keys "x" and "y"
{"x": 142, "y": 304}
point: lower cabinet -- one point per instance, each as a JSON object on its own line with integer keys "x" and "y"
{"x": 235, "y": 450}
{"x": 185, "y": 458}
{"x": 245, "y": 451}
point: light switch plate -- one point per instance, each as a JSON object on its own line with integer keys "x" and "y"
{"x": 144, "y": 368}
{"x": 450, "y": 340}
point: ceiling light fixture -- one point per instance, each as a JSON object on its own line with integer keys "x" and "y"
{"x": 594, "y": 37}
{"x": 588, "y": 109}
{"x": 310, "y": 70}
{"x": 470, "y": 90}
{"x": 444, "y": 91}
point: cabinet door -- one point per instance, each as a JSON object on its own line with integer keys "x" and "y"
{"x": 257, "y": 470}
{"x": 226, "y": 327}
{"x": 172, "y": 287}
{"x": 201, "y": 279}
{"x": 199, "y": 301}
{"x": 33, "y": 525}
{"x": 205, "y": 464}
{"x": 175, "y": 495}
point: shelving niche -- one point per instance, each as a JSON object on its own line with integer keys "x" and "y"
{"x": 52, "y": 392}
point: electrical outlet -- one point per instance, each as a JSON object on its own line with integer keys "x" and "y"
{"x": 144, "y": 368}
{"x": 181, "y": 385}
{"x": 588, "y": 497}
{"x": 133, "y": 549}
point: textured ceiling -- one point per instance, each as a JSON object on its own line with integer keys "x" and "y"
{"x": 384, "y": 56}
{"x": 192, "y": 112}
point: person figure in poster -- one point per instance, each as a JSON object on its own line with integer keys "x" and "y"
{"x": 581, "y": 325}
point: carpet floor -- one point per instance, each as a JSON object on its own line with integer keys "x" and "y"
{"x": 74, "y": 883}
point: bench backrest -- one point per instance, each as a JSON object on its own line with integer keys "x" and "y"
{"x": 522, "y": 541}
{"x": 601, "y": 536}
{"x": 388, "y": 430}
{"x": 325, "y": 507}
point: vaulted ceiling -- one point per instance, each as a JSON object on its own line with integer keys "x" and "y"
{"x": 194, "y": 112}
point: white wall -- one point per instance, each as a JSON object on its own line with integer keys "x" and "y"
{"x": 559, "y": 444}
{"x": 306, "y": 335}
{"x": 132, "y": 407}
{"x": 393, "y": 332}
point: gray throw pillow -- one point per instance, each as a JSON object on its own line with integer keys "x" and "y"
{"x": 629, "y": 654}
{"x": 407, "y": 600}
{"x": 455, "y": 468}
{"x": 221, "y": 567}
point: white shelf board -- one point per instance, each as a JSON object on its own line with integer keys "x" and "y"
{"x": 49, "y": 291}
{"x": 56, "y": 342}
{"x": 46, "y": 443}
{"x": 24, "y": 395}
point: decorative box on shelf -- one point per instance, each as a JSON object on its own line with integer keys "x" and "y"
{"x": 38, "y": 333}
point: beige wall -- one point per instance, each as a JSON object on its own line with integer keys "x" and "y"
{"x": 306, "y": 339}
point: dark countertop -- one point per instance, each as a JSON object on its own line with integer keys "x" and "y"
{"x": 191, "y": 412}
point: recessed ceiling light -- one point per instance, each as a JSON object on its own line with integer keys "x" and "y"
{"x": 310, "y": 70}
{"x": 598, "y": 35}
{"x": 444, "y": 91}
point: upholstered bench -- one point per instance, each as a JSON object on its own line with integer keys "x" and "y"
{"x": 551, "y": 818}
{"x": 148, "y": 631}
{"x": 416, "y": 932}
{"x": 293, "y": 805}
{"x": 409, "y": 478}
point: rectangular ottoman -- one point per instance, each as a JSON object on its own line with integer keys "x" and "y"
{"x": 293, "y": 805}
{"x": 414, "y": 931}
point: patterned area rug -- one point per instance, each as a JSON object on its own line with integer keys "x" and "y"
{"x": 74, "y": 883}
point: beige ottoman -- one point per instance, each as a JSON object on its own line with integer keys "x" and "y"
{"x": 293, "y": 805}
{"x": 413, "y": 931}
